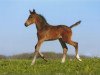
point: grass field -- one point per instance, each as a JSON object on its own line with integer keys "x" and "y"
{"x": 89, "y": 66}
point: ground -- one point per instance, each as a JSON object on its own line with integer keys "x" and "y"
{"x": 89, "y": 66}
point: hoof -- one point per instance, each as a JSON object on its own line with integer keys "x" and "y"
{"x": 62, "y": 62}
{"x": 32, "y": 64}
{"x": 79, "y": 59}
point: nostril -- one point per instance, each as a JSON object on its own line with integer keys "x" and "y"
{"x": 25, "y": 24}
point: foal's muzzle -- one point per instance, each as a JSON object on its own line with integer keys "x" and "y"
{"x": 26, "y": 24}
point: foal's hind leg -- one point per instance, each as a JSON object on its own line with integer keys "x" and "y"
{"x": 75, "y": 44}
{"x": 65, "y": 49}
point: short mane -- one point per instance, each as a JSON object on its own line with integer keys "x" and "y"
{"x": 43, "y": 18}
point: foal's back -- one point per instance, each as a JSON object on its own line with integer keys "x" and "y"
{"x": 54, "y": 32}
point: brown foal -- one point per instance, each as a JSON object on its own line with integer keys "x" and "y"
{"x": 46, "y": 32}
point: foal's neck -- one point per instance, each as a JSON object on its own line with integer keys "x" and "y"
{"x": 41, "y": 26}
{"x": 41, "y": 23}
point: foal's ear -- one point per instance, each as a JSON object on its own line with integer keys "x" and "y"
{"x": 34, "y": 11}
{"x": 30, "y": 11}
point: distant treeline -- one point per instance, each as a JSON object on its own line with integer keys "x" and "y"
{"x": 48, "y": 55}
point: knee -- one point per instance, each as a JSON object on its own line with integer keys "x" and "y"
{"x": 66, "y": 47}
{"x": 35, "y": 46}
{"x": 36, "y": 52}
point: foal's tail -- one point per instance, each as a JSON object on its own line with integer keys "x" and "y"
{"x": 77, "y": 23}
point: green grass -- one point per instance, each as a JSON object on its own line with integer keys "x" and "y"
{"x": 89, "y": 66}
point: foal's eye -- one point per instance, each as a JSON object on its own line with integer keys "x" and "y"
{"x": 31, "y": 17}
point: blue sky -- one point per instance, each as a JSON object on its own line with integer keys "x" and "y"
{"x": 15, "y": 38}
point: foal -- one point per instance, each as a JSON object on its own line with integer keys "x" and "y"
{"x": 46, "y": 32}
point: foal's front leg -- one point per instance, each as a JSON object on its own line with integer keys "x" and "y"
{"x": 37, "y": 47}
{"x": 42, "y": 56}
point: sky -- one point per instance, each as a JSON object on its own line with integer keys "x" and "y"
{"x": 15, "y": 38}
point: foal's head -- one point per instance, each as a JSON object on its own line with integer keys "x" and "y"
{"x": 31, "y": 18}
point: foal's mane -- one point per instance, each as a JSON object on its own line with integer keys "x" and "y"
{"x": 42, "y": 17}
